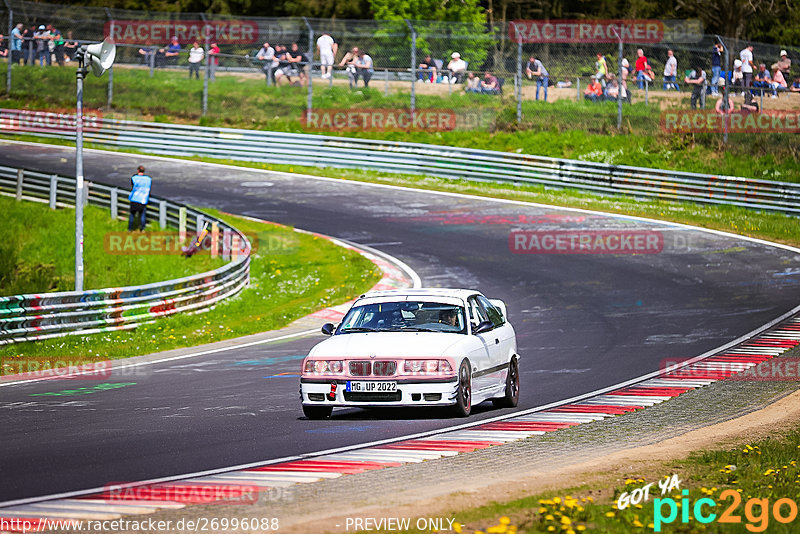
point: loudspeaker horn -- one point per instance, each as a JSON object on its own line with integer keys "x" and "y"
{"x": 101, "y": 56}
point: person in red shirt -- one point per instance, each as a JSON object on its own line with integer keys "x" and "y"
{"x": 213, "y": 61}
{"x": 641, "y": 67}
{"x": 594, "y": 91}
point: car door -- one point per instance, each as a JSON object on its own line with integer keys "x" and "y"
{"x": 481, "y": 355}
{"x": 504, "y": 337}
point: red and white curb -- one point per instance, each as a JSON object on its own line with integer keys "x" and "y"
{"x": 233, "y": 486}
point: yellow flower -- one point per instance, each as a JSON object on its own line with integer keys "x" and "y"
{"x": 566, "y": 520}
{"x": 609, "y": 514}
{"x": 457, "y": 528}
{"x": 549, "y": 517}
{"x": 505, "y": 520}
{"x": 637, "y": 523}
{"x": 551, "y": 528}
{"x": 580, "y": 528}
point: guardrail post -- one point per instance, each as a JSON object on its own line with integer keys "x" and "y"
{"x": 386, "y": 82}
{"x": 162, "y": 214}
{"x": 226, "y": 244}
{"x": 234, "y": 246}
{"x": 114, "y": 206}
{"x": 20, "y": 177}
{"x": 53, "y": 191}
{"x": 198, "y": 224}
{"x": 85, "y": 199}
{"x": 182, "y": 224}
{"x": 578, "y": 85}
{"x": 214, "y": 239}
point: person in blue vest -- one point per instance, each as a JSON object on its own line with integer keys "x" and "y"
{"x": 139, "y": 197}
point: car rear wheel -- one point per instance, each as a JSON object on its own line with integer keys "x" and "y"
{"x": 511, "y": 398}
{"x": 463, "y": 405}
{"x": 317, "y": 412}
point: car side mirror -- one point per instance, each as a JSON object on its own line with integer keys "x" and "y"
{"x": 485, "y": 326}
{"x": 328, "y": 329}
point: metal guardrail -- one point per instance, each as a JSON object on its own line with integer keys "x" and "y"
{"x": 417, "y": 158}
{"x": 35, "y": 317}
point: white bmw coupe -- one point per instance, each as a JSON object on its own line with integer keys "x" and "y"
{"x": 414, "y": 347}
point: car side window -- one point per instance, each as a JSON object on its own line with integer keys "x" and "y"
{"x": 477, "y": 314}
{"x": 495, "y": 315}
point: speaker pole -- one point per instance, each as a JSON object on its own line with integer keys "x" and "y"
{"x": 81, "y": 73}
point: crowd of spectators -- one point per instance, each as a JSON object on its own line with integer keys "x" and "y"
{"x": 38, "y": 44}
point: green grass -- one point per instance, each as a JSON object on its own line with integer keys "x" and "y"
{"x": 766, "y": 469}
{"x": 564, "y": 128}
{"x": 291, "y": 274}
{"x": 37, "y": 255}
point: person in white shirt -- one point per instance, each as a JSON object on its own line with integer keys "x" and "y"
{"x": 670, "y": 72}
{"x": 267, "y": 55}
{"x": 457, "y": 68}
{"x": 746, "y": 56}
{"x": 196, "y": 55}
{"x": 327, "y": 49}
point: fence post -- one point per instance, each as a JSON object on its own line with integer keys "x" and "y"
{"x": 205, "y": 55}
{"x": 10, "y": 52}
{"x": 578, "y": 85}
{"x": 152, "y": 62}
{"x": 110, "y": 95}
{"x": 226, "y": 244}
{"x": 310, "y": 77}
{"x": 725, "y": 92}
{"x": 53, "y": 191}
{"x": 114, "y": 205}
{"x": 619, "y": 81}
{"x": 20, "y": 176}
{"x": 519, "y": 80}
{"x": 646, "y": 92}
{"x": 162, "y": 214}
{"x": 386, "y": 82}
{"x": 214, "y": 239}
{"x": 182, "y": 224}
{"x": 413, "y": 68}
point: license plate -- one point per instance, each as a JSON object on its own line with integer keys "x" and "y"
{"x": 371, "y": 387}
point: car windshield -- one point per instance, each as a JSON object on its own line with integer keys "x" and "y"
{"x": 407, "y": 316}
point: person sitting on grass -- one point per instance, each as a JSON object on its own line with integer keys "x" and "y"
{"x": 795, "y": 88}
{"x": 612, "y": 89}
{"x": 594, "y": 91}
{"x": 489, "y": 84}
{"x": 473, "y": 83}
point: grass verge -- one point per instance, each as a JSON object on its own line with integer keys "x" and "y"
{"x": 37, "y": 253}
{"x": 291, "y": 274}
{"x": 564, "y": 128}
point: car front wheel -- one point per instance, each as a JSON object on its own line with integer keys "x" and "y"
{"x": 317, "y": 412}
{"x": 511, "y": 398}
{"x": 463, "y": 405}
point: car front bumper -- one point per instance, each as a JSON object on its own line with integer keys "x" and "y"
{"x": 428, "y": 392}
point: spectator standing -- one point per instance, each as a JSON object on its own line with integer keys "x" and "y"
{"x": 42, "y": 38}
{"x": 457, "y": 68}
{"x": 593, "y": 91}
{"x": 641, "y": 67}
{"x": 784, "y": 64}
{"x": 716, "y": 67}
{"x": 601, "y": 69}
{"x": 746, "y": 56}
{"x": 70, "y": 47}
{"x": 349, "y": 63}
{"x": 536, "y": 68}
{"x": 327, "y": 49}
{"x": 696, "y": 79}
{"x": 626, "y": 70}
{"x": 213, "y": 61}
{"x": 196, "y": 56}
{"x": 3, "y": 47}
{"x": 671, "y": 72}
{"x": 299, "y": 62}
{"x": 139, "y": 197}
{"x": 171, "y": 52}
{"x": 364, "y": 67}
{"x": 490, "y": 85}
{"x": 57, "y": 47}
{"x": 266, "y": 54}
{"x": 16, "y": 43}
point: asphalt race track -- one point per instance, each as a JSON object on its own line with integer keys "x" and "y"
{"x": 583, "y": 321}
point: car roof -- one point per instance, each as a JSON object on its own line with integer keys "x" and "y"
{"x": 422, "y": 292}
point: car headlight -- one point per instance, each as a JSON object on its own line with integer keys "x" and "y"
{"x": 427, "y": 367}
{"x": 324, "y": 367}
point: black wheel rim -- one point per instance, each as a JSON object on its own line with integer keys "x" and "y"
{"x": 513, "y": 380}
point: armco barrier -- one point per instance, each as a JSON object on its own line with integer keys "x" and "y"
{"x": 49, "y": 315}
{"x": 415, "y": 158}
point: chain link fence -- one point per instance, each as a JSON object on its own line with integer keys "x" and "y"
{"x": 396, "y": 75}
